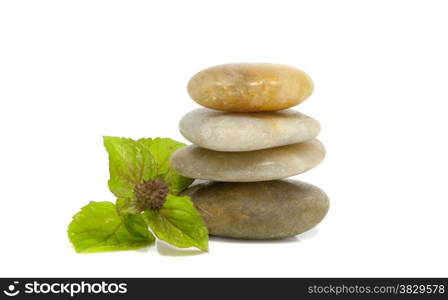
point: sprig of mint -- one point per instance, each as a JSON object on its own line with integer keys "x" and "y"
{"x": 147, "y": 195}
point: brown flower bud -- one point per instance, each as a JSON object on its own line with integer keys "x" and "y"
{"x": 150, "y": 194}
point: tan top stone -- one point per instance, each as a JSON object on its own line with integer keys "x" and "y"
{"x": 250, "y": 87}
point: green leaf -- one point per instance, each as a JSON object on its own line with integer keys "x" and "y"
{"x": 126, "y": 207}
{"x": 98, "y": 228}
{"x": 130, "y": 162}
{"x": 162, "y": 149}
{"x": 120, "y": 204}
{"x": 175, "y": 182}
{"x": 178, "y": 223}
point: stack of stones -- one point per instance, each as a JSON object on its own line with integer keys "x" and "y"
{"x": 246, "y": 142}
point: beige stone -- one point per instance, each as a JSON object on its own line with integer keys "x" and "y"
{"x": 259, "y": 210}
{"x": 250, "y": 87}
{"x": 260, "y": 165}
{"x": 227, "y": 131}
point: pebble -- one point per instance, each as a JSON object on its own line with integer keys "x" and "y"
{"x": 250, "y": 87}
{"x": 226, "y": 131}
{"x": 259, "y": 210}
{"x": 260, "y": 165}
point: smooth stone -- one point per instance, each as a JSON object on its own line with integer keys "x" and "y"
{"x": 227, "y": 131}
{"x": 259, "y": 210}
{"x": 260, "y": 165}
{"x": 250, "y": 87}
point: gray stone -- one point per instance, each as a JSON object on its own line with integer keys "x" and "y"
{"x": 260, "y": 165}
{"x": 226, "y": 131}
{"x": 259, "y": 210}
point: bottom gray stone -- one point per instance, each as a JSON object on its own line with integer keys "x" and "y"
{"x": 259, "y": 210}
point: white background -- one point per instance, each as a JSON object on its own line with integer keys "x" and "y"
{"x": 72, "y": 71}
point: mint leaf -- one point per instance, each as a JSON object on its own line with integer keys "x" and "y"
{"x": 162, "y": 149}
{"x": 130, "y": 162}
{"x": 178, "y": 223}
{"x": 176, "y": 183}
{"x": 137, "y": 227}
{"x": 98, "y": 227}
{"x": 124, "y": 207}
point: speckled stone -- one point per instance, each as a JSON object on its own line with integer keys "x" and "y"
{"x": 259, "y": 210}
{"x": 260, "y": 165}
{"x": 250, "y": 87}
{"x": 227, "y": 131}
